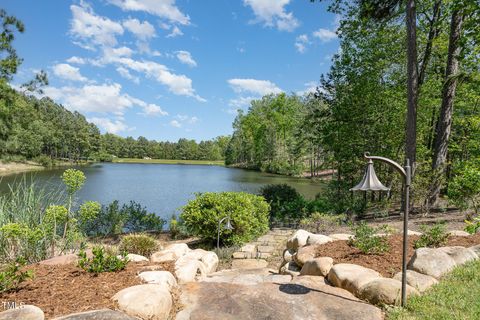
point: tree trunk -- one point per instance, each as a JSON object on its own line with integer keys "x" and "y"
{"x": 412, "y": 84}
{"x": 444, "y": 125}
{"x": 432, "y": 34}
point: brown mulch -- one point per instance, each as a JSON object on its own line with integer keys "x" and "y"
{"x": 65, "y": 289}
{"x": 389, "y": 263}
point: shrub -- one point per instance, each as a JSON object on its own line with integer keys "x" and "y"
{"x": 285, "y": 202}
{"x": 12, "y": 276}
{"x": 464, "y": 189}
{"x": 102, "y": 261}
{"x": 473, "y": 225}
{"x": 178, "y": 229}
{"x": 433, "y": 237}
{"x": 366, "y": 239}
{"x": 44, "y": 160}
{"x": 18, "y": 240}
{"x": 248, "y": 214}
{"x": 141, "y": 244}
{"x": 321, "y": 223}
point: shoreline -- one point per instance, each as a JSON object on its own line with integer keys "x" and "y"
{"x": 18, "y": 167}
{"x": 168, "y": 161}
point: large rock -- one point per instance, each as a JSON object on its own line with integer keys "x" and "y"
{"x": 384, "y": 291}
{"x": 103, "y": 314}
{"x": 460, "y": 254}
{"x": 172, "y": 252}
{"x": 163, "y": 278}
{"x": 341, "y": 236}
{"x": 476, "y": 249}
{"x": 25, "y": 312}
{"x": 207, "y": 300}
{"x": 136, "y": 258}
{"x": 317, "y": 267}
{"x": 249, "y": 264}
{"x": 318, "y": 239}
{"x": 304, "y": 254}
{"x": 188, "y": 270}
{"x": 210, "y": 260}
{"x": 247, "y": 276}
{"x": 351, "y": 277}
{"x": 146, "y": 301}
{"x": 298, "y": 240}
{"x": 459, "y": 233}
{"x": 419, "y": 281}
{"x": 432, "y": 262}
{"x": 61, "y": 260}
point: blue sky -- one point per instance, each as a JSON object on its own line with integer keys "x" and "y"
{"x": 166, "y": 69}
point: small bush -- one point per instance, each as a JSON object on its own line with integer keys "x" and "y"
{"x": 141, "y": 244}
{"x": 102, "y": 261}
{"x": 464, "y": 189}
{"x": 473, "y": 225}
{"x": 285, "y": 202}
{"x": 321, "y": 223}
{"x": 12, "y": 276}
{"x": 432, "y": 237}
{"x": 248, "y": 213}
{"x": 367, "y": 240}
{"x": 44, "y": 160}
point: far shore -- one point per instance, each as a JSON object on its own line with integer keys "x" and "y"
{"x": 168, "y": 161}
{"x": 7, "y": 168}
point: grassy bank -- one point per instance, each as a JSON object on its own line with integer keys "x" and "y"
{"x": 166, "y": 161}
{"x": 16, "y": 167}
{"x": 455, "y": 297}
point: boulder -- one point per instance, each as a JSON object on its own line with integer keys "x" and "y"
{"x": 298, "y": 240}
{"x": 210, "y": 260}
{"x": 103, "y": 314}
{"x": 249, "y": 264}
{"x": 413, "y": 233}
{"x": 61, "y": 260}
{"x": 432, "y": 262}
{"x": 384, "y": 291}
{"x": 24, "y": 312}
{"x": 318, "y": 239}
{"x": 312, "y": 281}
{"x": 304, "y": 254}
{"x": 317, "y": 267}
{"x": 136, "y": 258}
{"x": 459, "y": 233}
{"x": 419, "y": 281}
{"x": 216, "y": 300}
{"x": 161, "y": 256}
{"x": 188, "y": 270}
{"x": 460, "y": 254}
{"x": 172, "y": 252}
{"x": 196, "y": 254}
{"x": 163, "y": 278}
{"x": 247, "y": 276}
{"x": 476, "y": 249}
{"x": 249, "y": 248}
{"x": 145, "y": 301}
{"x": 341, "y": 236}
{"x": 351, "y": 277}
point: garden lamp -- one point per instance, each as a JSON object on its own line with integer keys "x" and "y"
{"x": 228, "y": 226}
{"x": 370, "y": 182}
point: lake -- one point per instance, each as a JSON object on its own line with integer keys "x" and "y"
{"x": 162, "y": 188}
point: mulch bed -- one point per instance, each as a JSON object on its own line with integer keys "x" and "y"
{"x": 65, "y": 289}
{"x": 389, "y": 263}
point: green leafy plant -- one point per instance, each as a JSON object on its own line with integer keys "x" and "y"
{"x": 433, "y": 237}
{"x": 12, "y": 275}
{"x": 367, "y": 240}
{"x": 102, "y": 261}
{"x": 473, "y": 225}
{"x": 285, "y": 202}
{"x": 248, "y": 214}
{"x": 464, "y": 189}
{"x": 141, "y": 244}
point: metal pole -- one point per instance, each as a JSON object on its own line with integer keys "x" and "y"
{"x": 408, "y": 179}
{"x": 218, "y": 236}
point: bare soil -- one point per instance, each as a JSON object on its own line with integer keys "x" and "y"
{"x": 389, "y": 263}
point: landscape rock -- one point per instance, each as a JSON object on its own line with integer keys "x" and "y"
{"x": 298, "y": 240}
{"x": 304, "y": 254}
{"x": 460, "y": 254}
{"x": 163, "y": 278}
{"x": 210, "y": 300}
{"x": 248, "y": 276}
{"x": 24, "y": 312}
{"x": 136, "y": 258}
{"x": 210, "y": 260}
{"x": 249, "y": 248}
{"x": 341, "y": 236}
{"x": 196, "y": 254}
{"x": 317, "y": 267}
{"x": 432, "y": 262}
{"x": 419, "y": 281}
{"x": 413, "y": 233}
{"x": 146, "y": 301}
{"x": 162, "y": 256}
{"x": 249, "y": 264}
{"x": 172, "y": 252}
{"x": 459, "y": 233}
{"x": 351, "y": 277}
{"x": 476, "y": 249}
{"x": 60, "y": 260}
{"x": 384, "y": 291}
{"x": 188, "y": 270}
{"x": 318, "y": 239}
{"x": 312, "y": 281}
{"x": 103, "y": 314}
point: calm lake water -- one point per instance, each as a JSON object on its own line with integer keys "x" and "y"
{"x": 163, "y": 189}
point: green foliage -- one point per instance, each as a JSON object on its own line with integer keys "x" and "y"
{"x": 88, "y": 211}
{"x": 321, "y": 222}
{"x": 473, "y": 226}
{"x": 433, "y": 237}
{"x": 464, "y": 189}
{"x": 366, "y": 239}
{"x": 285, "y": 202}
{"x": 141, "y": 244}
{"x": 73, "y": 180}
{"x": 44, "y": 160}
{"x": 102, "y": 261}
{"x": 248, "y": 214}
{"x": 13, "y": 275}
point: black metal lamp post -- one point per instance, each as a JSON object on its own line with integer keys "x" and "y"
{"x": 228, "y": 226}
{"x": 370, "y": 182}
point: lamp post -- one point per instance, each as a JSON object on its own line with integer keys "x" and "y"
{"x": 370, "y": 182}
{"x": 228, "y": 226}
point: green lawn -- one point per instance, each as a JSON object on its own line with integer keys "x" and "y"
{"x": 457, "y": 296}
{"x": 164, "y": 161}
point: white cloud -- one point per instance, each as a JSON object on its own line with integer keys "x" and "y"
{"x": 176, "y": 32}
{"x": 273, "y": 14}
{"x": 301, "y": 43}
{"x": 90, "y": 29}
{"x": 153, "y": 110}
{"x": 175, "y": 123}
{"x": 109, "y": 125}
{"x": 186, "y": 58}
{"x": 162, "y": 8}
{"x": 240, "y": 102}
{"x": 260, "y": 87}
{"x": 324, "y": 35}
{"x": 76, "y": 60}
{"x": 142, "y": 30}
{"x": 68, "y": 72}
{"x": 127, "y": 75}
{"x": 187, "y": 119}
